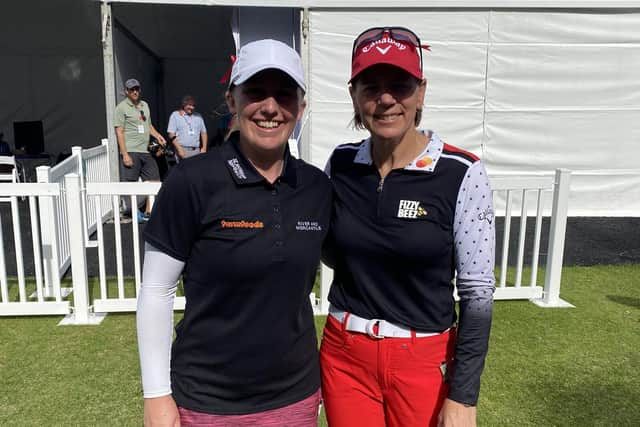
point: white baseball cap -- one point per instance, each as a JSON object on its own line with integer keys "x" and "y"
{"x": 264, "y": 54}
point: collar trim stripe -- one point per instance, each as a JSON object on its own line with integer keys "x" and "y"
{"x": 461, "y": 159}
{"x": 450, "y": 149}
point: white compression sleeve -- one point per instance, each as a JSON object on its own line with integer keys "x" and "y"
{"x": 155, "y": 319}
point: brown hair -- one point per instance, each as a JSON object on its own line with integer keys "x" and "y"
{"x": 188, "y": 99}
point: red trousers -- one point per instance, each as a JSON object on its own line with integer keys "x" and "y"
{"x": 393, "y": 382}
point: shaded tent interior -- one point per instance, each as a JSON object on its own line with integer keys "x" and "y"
{"x": 52, "y": 62}
{"x": 51, "y": 70}
{"x": 174, "y": 50}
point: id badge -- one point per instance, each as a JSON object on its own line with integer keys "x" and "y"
{"x": 140, "y": 128}
{"x": 191, "y": 132}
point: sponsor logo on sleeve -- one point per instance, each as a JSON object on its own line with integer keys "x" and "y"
{"x": 410, "y": 209}
{"x": 486, "y": 215}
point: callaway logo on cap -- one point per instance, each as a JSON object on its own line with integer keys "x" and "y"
{"x": 392, "y": 45}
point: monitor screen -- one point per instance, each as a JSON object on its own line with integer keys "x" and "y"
{"x": 29, "y": 135}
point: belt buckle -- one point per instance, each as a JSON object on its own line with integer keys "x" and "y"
{"x": 369, "y": 328}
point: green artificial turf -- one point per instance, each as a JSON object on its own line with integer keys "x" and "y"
{"x": 546, "y": 367}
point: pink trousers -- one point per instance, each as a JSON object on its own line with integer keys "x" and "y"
{"x": 299, "y": 414}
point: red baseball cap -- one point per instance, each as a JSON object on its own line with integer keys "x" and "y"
{"x": 387, "y": 46}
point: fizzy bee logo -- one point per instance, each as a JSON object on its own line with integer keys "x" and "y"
{"x": 410, "y": 209}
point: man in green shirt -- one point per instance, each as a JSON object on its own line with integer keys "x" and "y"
{"x": 133, "y": 127}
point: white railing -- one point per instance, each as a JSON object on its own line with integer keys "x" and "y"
{"x": 91, "y": 165}
{"x": 54, "y": 222}
{"x": 515, "y": 195}
{"x": 125, "y": 299}
{"x": 95, "y": 168}
{"x": 24, "y": 305}
{"x": 526, "y": 197}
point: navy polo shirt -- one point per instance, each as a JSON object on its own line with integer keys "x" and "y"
{"x": 247, "y": 341}
{"x": 397, "y": 243}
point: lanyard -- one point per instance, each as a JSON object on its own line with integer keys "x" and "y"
{"x": 141, "y": 117}
{"x": 188, "y": 122}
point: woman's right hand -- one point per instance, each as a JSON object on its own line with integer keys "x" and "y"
{"x": 161, "y": 412}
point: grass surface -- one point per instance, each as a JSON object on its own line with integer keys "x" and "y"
{"x": 546, "y": 367}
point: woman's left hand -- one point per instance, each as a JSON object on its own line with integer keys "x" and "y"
{"x": 456, "y": 414}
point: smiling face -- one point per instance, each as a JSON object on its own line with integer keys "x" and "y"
{"x": 387, "y": 99}
{"x": 267, "y": 108}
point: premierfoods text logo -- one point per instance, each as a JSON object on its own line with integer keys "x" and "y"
{"x": 241, "y": 224}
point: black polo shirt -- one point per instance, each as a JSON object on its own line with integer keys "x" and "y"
{"x": 247, "y": 341}
{"x": 397, "y": 243}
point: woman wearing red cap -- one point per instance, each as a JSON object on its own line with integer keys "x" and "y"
{"x": 410, "y": 213}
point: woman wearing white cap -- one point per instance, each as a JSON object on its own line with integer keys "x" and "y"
{"x": 244, "y": 224}
{"x": 410, "y": 211}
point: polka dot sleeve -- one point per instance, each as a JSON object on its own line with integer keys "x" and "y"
{"x": 474, "y": 237}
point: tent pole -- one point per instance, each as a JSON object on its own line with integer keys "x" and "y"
{"x": 305, "y": 148}
{"x": 109, "y": 88}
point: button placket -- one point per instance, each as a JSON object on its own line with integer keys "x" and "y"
{"x": 278, "y": 254}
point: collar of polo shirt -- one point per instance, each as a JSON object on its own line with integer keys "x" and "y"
{"x": 424, "y": 162}
{"x": 243, "y": 171}
{"x": 140, "y": 103}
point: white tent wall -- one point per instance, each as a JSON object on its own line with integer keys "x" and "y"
{"x": 529, "y": 90}
{"x": 51, "y": 70}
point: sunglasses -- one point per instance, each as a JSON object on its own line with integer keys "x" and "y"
{"x": 397, "y": 33}
{"x": 134, "y": 89}
{"x": 142, "y": 116}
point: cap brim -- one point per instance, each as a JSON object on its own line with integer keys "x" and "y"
{"x": 366, "y": 67}
{"x": 255, "y": 70}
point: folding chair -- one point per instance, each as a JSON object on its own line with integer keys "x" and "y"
{"x": 8, "y": 170}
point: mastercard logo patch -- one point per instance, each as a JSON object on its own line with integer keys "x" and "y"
{"x": 424, "y": 162}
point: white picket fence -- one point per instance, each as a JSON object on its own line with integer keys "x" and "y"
{"x": 83, "y": 199}
{"x": 91, "y": 165}
{"x": 46, "y": 301}
{"x": 531, "y": 192}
